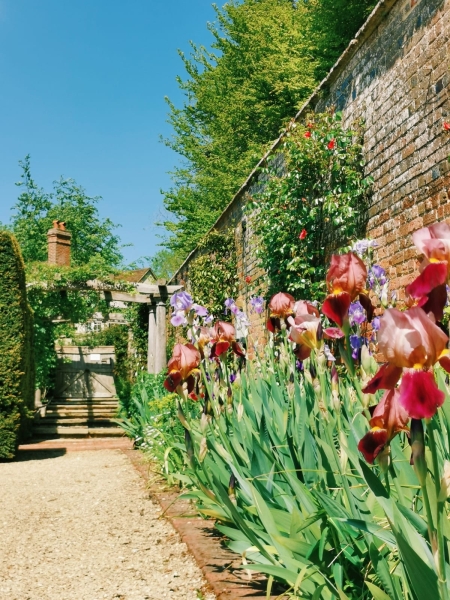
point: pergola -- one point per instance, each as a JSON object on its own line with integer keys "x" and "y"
{"x": 156, "y": 296}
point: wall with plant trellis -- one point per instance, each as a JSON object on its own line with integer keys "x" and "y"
{"x": 394, "y": 78}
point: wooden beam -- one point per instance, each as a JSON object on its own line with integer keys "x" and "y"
{"x": 126, "y": 297}
{"x": 158, "y": 290}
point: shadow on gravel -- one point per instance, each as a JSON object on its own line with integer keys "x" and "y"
{"x": 23, "y": 455}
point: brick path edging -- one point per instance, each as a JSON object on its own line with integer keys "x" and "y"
{"x": 220, "y": 566}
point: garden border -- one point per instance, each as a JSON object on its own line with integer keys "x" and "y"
{"x": 218, "y": 565}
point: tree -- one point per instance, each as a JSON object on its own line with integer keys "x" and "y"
{"x": 16, "y": 348}
{"x": 267, "y": 57}
{"x": 36, "y": 209}
{"x": 333, "y": 23}
{"x": 238, "y": 97}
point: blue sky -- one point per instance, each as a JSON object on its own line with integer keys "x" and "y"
{"x": 82, "y": 90}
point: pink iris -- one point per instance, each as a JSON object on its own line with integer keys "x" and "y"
{"x": 181, "y": 367}
{"x": 412, "y": 344}
{"x": 428, "y": 289}
{"x": 388, "y": 419}
{"x": 346, "y": 279}
{"x": 223, "y": 336}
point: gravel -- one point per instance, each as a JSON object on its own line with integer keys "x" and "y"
{"x": 81, "y": 527}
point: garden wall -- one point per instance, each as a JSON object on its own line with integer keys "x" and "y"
{"x": 395, "y": 76}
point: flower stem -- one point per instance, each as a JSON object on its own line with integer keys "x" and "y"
{"x": 439, "y": 515}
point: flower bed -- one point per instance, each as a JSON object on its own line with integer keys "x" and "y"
{"x": 325, "y": 470}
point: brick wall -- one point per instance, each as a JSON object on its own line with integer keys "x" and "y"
{"x": 59, "y": 246}
{"x": 395, "y": 76}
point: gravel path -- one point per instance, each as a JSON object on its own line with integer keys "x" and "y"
{"x": 81, "y": 527}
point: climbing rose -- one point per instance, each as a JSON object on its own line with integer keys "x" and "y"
{"x": 446, "y": 126}
{"x": 331, "y": 144}
{"x": 307, "y": 134}
{"x": 303, "y": 234}
{"x": 248, "y": 279}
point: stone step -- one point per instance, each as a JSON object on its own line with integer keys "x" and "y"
{"x": 54, "y": 432}
{"x": 63, "y": 412}
{"x": 89, "y": 401}
{"x": 72, "y": 420}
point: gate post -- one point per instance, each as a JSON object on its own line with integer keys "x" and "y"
{"x": 152, "y": 335}
{"x": 161, "y": 337}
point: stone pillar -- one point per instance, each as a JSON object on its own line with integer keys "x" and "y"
{"x": 151, "y": 339}
{"x": 161, "y": 337}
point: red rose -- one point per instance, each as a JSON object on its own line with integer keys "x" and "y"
{"x": 248, "y": 279}
{"x": 307, "y": 134}
{"x": 303, "y": 234}
{"x": 331, "y": 144}
{"x": 446, "y": 126}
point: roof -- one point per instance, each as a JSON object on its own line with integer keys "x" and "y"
{"x": 137, "y": 275}
{"x": 376, "y": 16}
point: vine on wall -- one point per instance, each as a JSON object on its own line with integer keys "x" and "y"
{"x": 213, "y": 275}
{"x": 314, "y": 202}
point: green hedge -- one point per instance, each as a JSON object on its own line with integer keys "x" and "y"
{"x": 16, "y": 349}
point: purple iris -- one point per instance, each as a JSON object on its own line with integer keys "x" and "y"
{"x": 377, "y": 276}
{"x": 356, "y": 343}
{"x": 229, "y": 303}
{"x": 233, "y": 377}
{"x": 299, "y": 365}
{"x": 200, "y": 311}
{"x": 376, "y": 323}
{"x": 327, "y": 352}
{"x": 181, "y": 301}
{"x": 257, "y": 303}
{"x": 178, "y": 319}
{"x": 361, "y": 246}
{"x": 356, "y": 313}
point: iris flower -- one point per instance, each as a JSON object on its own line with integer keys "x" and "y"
{"x": 281, "y": 306}
{"x": 388, "y": 419}
{"x": 412, "y": 344}
{"x": 183, "y": 367}
{"x": 346, "y": 280}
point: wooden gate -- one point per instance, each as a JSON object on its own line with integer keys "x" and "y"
{"x": 84, "y": 373}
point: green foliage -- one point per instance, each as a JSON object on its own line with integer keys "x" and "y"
{"x": 237, "y": 98}
{"x": 16, "y": 349}
{"x": 151, "y": 420}
{"x": 165, "y": 263}
{"x": 56, "y": 296}
{"x": 35, "y": 211}
{"x": 212, "y": 276}
{"x": 277, "y": 465}
{"x": 267, "y": 57}
{"x": 312, "y": 189}
{"x": 137, "y": 317}
{"x": 332, "y": 24}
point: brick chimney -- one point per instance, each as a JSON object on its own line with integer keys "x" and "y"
{"x": 59, "y": 244}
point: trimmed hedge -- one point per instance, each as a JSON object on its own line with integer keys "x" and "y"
{"x": 17, "y": 372}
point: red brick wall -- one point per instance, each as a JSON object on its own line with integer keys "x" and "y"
{"x": 395, "y": 76}
{"x": 59, "y": 247}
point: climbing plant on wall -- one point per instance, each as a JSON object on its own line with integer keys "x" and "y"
{"x": 314, "y": 202}
{"x": 213, "y": 275}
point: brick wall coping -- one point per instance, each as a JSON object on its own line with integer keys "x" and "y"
{"x": 380, "y": 11}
